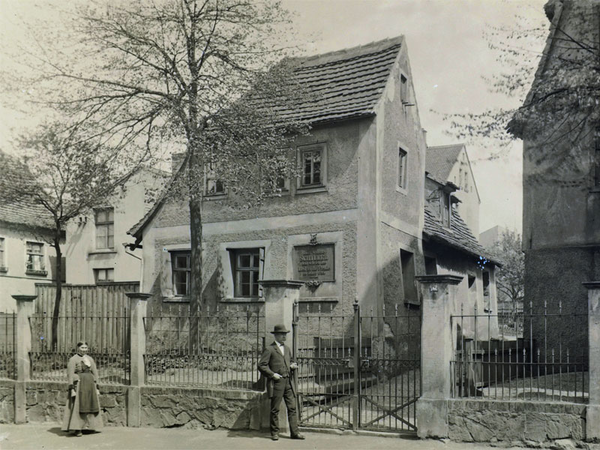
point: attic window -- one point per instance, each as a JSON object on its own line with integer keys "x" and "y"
{"x": 404, "y": 89}
{"x": 445, "y": 209}
{"x": 402, "y": 159}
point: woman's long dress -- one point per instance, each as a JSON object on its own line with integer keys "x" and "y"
{"x": 83, "y": 410}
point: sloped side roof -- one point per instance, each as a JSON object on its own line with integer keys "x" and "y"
{"x": 458, "y": 236}
{"x": 343, "y": 84}
{"x": 441, "y": 159}
{"x": 22, "y": 211}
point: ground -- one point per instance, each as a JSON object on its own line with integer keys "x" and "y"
{"x": 49, "y": 437}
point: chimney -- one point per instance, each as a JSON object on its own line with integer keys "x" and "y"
{"x": 176, "y": 161}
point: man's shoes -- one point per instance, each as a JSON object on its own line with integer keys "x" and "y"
{"x": 298, "y": 436}
{"x": 275, "y": 437}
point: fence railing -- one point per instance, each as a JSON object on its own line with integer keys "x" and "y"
{"x": 534, "y": 356}
{"x": 107, "y": 337}
{"x": 209, "y": 347}
{"x": 8, "y": 345}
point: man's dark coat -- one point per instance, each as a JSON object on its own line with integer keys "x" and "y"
{"x": 272, "y": 361}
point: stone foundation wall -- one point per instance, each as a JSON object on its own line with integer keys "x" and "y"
{"x": 7, "y": 401}
{"x": 200, "y": 408}
{"x": 487, "y": 421}
{"x": 46, "y": 403}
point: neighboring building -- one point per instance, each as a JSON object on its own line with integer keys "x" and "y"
{"x": 96, "y": 243}
{"x": 351, "y": 226}
{"x": 26, "y": 258}
{"x": 450, "y": 247}
{"x": 491, "y": 236}
{"x": 561, "y": 184}
{"x": 451, "y": 163}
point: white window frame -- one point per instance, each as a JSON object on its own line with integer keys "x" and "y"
{"x": 322, "y": 184}
{"x": 41, "y": 255}
{"x": 104, "y": 270}
{"x": 187, "y": 270}
{"x": 211, "y": 180}
{"x": 256, "y": 257}
{"x": 107, "y": 224}
{"x": 227, "y": 283}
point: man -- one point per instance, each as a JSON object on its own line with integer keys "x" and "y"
{"x": 276, "y": 364}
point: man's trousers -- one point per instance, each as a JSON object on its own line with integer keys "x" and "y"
{"x": 282, "y": 389}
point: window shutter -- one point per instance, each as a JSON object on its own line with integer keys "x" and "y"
{"x": 261, "y": 270}
{"x": 166, "y": 276}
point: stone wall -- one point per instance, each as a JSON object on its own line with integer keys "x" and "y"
{"x": 7, "y": 401}
{"x": 46, "y": 403}
{"x": 487, "y": 421}
{"x": 200, "y": 408}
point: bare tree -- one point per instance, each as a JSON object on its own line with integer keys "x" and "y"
{"x": 201, "y": 75}
{"x": 67, "y": 175}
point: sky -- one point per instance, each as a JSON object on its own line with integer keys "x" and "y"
{"x": 449, "y": 57}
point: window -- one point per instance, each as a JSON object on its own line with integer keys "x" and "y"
{"x": 402, "y": 158}
{"x": 2, "y": 255}
{"x": 486, "y": 291}
{"x": 408, "y": 277}
{"x": 35, "y": 258}
{"x": 404, "y": 90}
{"x": 104, "y": 275}
{"x": 445, "y": 209}
{"x": 246, "y": 268}
{"x": 105, "y": 228}
{"x": 597, "y": 158}
{"x": 181, "y": 268}
{"x": 430, "y": 266}
{"x": 312, "y": 160}
{"x": 212, "y": 184}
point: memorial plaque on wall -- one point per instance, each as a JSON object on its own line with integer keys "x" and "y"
{"x": 314, "y": 262}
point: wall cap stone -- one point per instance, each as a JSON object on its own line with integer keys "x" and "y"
{"x": 281, "y": 283}
{"x": 140, "y": 295}
{"x": 24, "y": 298}
{"x": 591, "y": 284}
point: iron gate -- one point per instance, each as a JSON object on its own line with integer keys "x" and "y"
{"x": 358, "y": 371}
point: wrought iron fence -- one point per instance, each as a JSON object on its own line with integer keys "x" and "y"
{"x": 107, "y": 337}
{"x": 358, "y": 370}
{"x": 8, "y": 347}
{"x": 206, "y": 347}
{"x": 535, "y": 355}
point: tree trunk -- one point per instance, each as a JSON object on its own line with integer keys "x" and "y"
{"x": 58, "y": 296}
{"x": 196, "y": 271}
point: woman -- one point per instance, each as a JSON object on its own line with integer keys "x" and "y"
{"x": 83, "y": 404}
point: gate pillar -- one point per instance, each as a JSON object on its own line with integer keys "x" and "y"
{"x": 23, "y": 338}
{"x": 438, "y": 293}
{"x": 280, "y": 296}
{"x": 592, "y": 419}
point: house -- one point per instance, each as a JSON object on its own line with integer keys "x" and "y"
{"x": 491, "y": 236}
{"x": 449, "y": 246}
{"x": 351, "y": 227}
{"x": 451, "y": 163}
{"x": 561, "y": 176}
{"x": 97, "y": 242}
{"x": 26, "y": 257}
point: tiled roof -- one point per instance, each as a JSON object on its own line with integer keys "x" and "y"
{"x": 441, "y": 159}
{"x": 344, "y": 84}
{"x": 341, "y": 85}
{"x": 458, "y": 236}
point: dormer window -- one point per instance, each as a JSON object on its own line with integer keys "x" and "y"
{"x": 445, "y": 209}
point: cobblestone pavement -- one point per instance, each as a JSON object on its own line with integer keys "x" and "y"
{"x": 49, "y": 437}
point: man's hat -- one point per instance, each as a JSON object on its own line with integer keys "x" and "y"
{"x": 280, "y": 329}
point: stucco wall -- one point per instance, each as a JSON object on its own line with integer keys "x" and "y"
{"x": 16, "y": 280}
{"x": 129, "y": 205}
{"x": 468, "y": 208}
{"x": 516, "y": 422}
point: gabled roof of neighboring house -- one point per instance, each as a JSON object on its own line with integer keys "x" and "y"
{"x": 458, "y": 236}
{"x": 344, "y": 84}
{"x": 341, "y": 85}
{"x": 22, "y": 211}
{"x": 441, "y": 159}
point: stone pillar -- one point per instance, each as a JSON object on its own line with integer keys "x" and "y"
{"x": 280, "y": 296}
{"x": 437, "y": 292}
{"x": 23, "y": 337}
{"x": 137, "y": 312}
{"x": 592, "y": 419}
